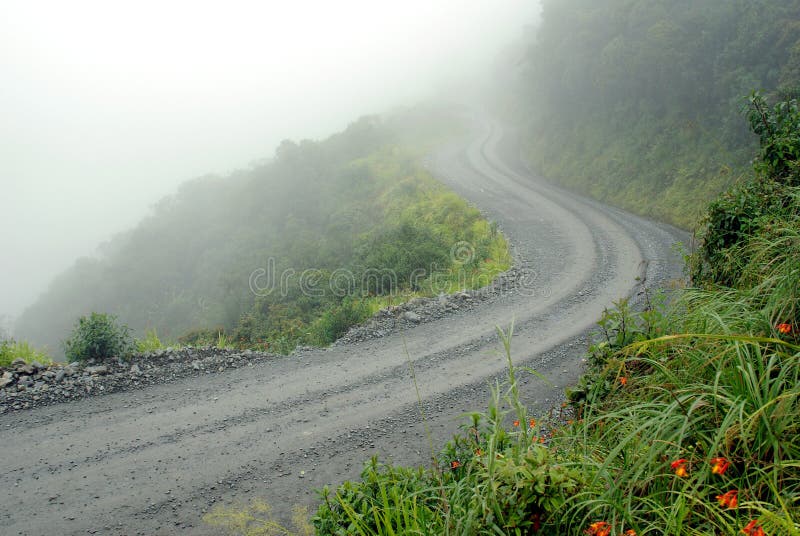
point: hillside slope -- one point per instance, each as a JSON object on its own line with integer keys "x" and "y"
{"x": 636, "y": 102}
{"x": 293, "y": 250}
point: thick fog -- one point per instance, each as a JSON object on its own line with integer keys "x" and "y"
{"x": 107, "y": 106}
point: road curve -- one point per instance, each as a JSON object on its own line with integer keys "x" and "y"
{"x": 151, "y": 461}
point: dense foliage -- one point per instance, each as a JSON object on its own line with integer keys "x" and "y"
{"x": 293, "y": 250}
{"x": 753, "y": 208}
{"x": 98, "y": 337}
{"x": 685, "y": 423}
{"x": 636, "y": 101}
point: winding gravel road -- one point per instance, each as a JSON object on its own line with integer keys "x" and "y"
{"x": 152, "y": 461}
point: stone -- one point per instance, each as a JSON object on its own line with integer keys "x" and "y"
{"x": 6, "y": 379}
{"x": 411, "y": 316}
{"x": 97, "y": 370}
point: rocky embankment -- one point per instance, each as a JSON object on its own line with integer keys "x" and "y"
{"x": 26, "y": 385}
{"x": 421, "y": 310}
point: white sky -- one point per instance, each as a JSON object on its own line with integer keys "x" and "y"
{"x": 105, "y": 106}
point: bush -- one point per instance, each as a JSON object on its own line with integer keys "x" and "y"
{"x": 335, "y": 322}
{"x": 750, "y": 209}
{"x": 98, "y": 336}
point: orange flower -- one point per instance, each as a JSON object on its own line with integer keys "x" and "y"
{"x": 630, "y": 532}
{"x": 478, "y": 452}
{"x": 679, "y": 466}
{"x": 719, "y": 466}
{"x": 753, "y": 529}
{"x": 729, "y": 499}
{"x": 784, "y": 328}
{"x": 533, "y": 423}
{"x": 623, "y": 381}
{"x": 599, "y": 528}
{"x": 455, "y": 464}
{"x": 516, "y": 423}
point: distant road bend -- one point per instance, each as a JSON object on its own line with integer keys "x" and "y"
{"x": 151, "y": 461}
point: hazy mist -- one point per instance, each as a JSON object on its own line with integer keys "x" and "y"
{"x": 107, "y": 107}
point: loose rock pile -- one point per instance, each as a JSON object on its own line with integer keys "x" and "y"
{"x": 420, "y": 310}
{"x": 24, "y": 385}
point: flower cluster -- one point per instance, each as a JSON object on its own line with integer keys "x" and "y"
{"x": 784, "y": 329}
{"x": 599, "y": 528}
{"x": 729, "y": 499}
{"x": 679, "y": 466}
{"x": 603, "y": 528}
{"x": 719, "y": 466}
{"x": 753, "y": 529}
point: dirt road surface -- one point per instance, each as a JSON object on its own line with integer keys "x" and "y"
{"x": 152, "y": 461}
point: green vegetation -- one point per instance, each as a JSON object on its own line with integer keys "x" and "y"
{"x": 99, "y": 337}
{"x": 256, "y": 519}
{"x": 11, "y": 350}
{"x": 292, "y": 251}
{"x": 757, "y": 208}
{"x": 635, "y": 102}
{"x": 149, "y": 343}
{"x": 685, "y": 423}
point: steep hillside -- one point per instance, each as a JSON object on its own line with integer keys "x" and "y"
{"x": 637, "y": 102}
{"x": 292, "y": 250}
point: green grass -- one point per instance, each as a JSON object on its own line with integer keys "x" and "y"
{"x": 708, "y": 378}
{"x": 712, "y": 385}
{"x": 256, "y": 519}
{"x": 423, "y": 226}
{"x": 11, "y": 350}
{"x": 685, "y": 423}
{"x": 149, "y": 343}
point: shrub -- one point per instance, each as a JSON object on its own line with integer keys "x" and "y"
{"x": 335, "y": 322}
{"x": 749, "y": 209}
{"x": 98, "y": 336}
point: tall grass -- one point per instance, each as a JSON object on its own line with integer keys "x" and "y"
{"x": 685, "y": 423}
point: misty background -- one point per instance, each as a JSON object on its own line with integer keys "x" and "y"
{"x": 108, "y": 107}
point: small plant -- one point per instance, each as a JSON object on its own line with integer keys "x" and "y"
{"x": 98, "y": 336}
{"x": 223, "y": 341}
{"x": 10, "y": 350}
{"x": 256, "y": 519}
{"x": 150, "y": 342}
{"x": 201, "y": 336}
{"x": 335, "y": 322}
